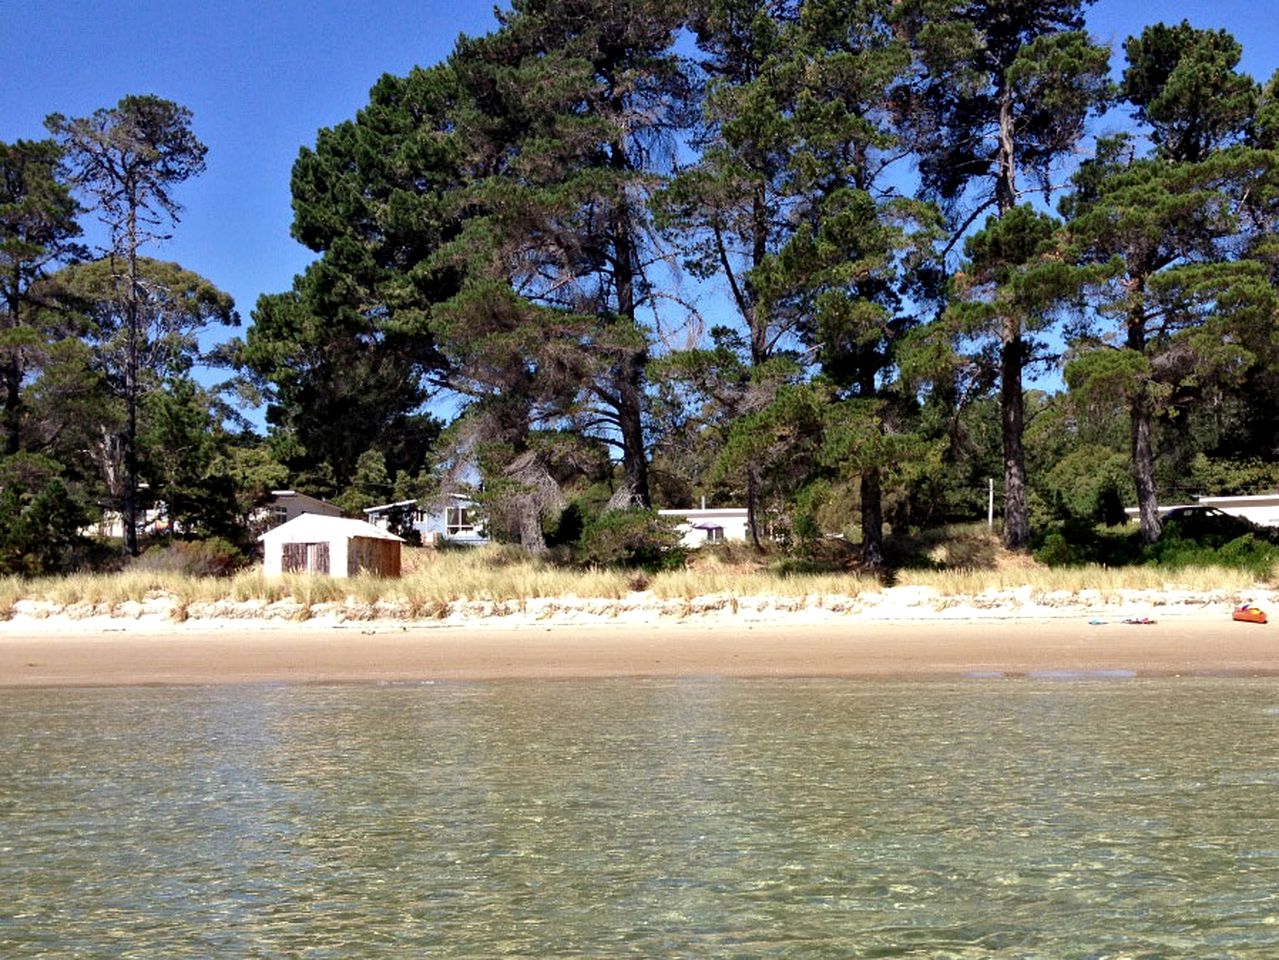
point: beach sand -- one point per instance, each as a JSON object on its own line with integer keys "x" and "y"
{"x": 147, "y": 652}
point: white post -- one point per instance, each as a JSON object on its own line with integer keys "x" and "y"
{"x": 990, "y": 507}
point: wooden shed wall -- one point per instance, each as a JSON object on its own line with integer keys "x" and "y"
{"x": 372, "y": 555}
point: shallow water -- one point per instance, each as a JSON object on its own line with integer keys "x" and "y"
{"x": 1052, "y": 818}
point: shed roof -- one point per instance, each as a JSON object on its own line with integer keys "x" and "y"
{"x": 314, "y": 527}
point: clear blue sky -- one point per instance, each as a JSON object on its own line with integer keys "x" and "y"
{"x": 263, "y": 77}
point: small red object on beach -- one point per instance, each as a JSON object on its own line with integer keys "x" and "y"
{"x": 1249, "y": 614}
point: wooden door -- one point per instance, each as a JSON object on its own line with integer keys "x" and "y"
{"x": 294, "y": 559}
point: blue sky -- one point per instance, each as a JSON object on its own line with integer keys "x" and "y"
{"x": 263, "y": 77}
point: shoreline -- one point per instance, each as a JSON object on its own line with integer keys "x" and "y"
{"x": 57, "y": 652}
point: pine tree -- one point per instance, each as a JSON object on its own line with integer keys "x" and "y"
{"x": 1009, "y": 84}
{"x": 858, "y": 261}
{"x": 38, "y": 230}
{"x": 347, "y": 357}
{"x": 570, "y": 107}
{"x": 728, "y": 211}
{"x": 126, "y": 159}
{"x": 1185, "y": 311}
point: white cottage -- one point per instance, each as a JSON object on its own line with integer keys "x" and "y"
{"x": 458, "y": 520}
{"x": 337, "y": 546}
{"x": 717, "y": 525}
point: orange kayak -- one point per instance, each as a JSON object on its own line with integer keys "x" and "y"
{"x": 1247, "y": 614}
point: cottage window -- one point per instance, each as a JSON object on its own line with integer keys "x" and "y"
{"x": 459, "y": 520}
{"x": 714, "y": 534}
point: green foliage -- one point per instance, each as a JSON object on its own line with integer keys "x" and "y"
{"x": 175, "y": 308}
{"x": 40, "y": 524}
{"x": 1078, "y": 545}
{"x": 1183, "y": 83}
{"x": 1243, "y": 553}
{"x": 183, "y": 450}
{"x": 1089, "y": 485}
{"x": 1057, "y": 551}
{"x": 344, "y": 357}
{"x": 1222, "y": 477}
{"x": 1029, "y": 58}
{"x": 370, "y": 486}
{"x": 37, "y": 230}
{"x": 632, "y": 538}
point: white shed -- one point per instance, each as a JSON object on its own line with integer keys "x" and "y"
{"x": 337, "y": 546}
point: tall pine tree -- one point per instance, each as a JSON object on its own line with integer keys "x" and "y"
{"x": 1008, "y": 86}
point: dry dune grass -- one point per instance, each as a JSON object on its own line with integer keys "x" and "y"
{"x": 1109, "y": 581}
{"x": 966, "y": 561}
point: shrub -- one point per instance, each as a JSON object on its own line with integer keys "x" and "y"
{"x": 1057, "y": 551}
{"x": 636, "y": 538}
{"x": 213, "y": 557}
{"x": 40, "y": 529}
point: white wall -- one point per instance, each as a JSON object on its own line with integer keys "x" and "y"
{"x": 273, "y": 554}
{"x": 731, "y": 519}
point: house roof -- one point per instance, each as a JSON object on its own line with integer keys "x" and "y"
{"x": 382, "y": 507}
{"x": 709, "y": 513}
{"x": 389, "y": 506}
{"x": 304, "y": 498}
{"x": 314, "y": 527}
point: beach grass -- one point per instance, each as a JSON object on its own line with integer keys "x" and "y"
{"x": 432, "y": 580}
{"x": 1109, "y": 581}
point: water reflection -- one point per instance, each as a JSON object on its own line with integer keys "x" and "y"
{"x": 643, "y": 818}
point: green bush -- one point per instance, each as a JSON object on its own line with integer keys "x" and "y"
{"x": 40, "y": 530}
{"x": 1057, "y": 551}
{"x": 1242, "y": 553}
{"x": 632, "y": 538}
{"x": 1089, "y": 485}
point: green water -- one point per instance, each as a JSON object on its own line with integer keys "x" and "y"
{"x": 699, "y": 818}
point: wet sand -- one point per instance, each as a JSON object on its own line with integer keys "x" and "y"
{"x": 233, "y": 653}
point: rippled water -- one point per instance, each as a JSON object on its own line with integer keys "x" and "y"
{"x": 989, "y": 818}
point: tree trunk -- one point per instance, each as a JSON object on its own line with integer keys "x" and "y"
{"x": 130, "y": 504}
{"x": 1143, "y": 470}
{"x": 629, "y": 383}
{"x": 1006, "y": 177}
{"x": 530, "y": 519}
{"x": 1012, "y": 414}
{"x": 12, "y": 403}
{"x": 752, "y": 505}
{"x": 630, "y": 392}
{"x": 1012, "y": 354}
{"x": 872, "y": 505}
{"x": 1142, "y": 451}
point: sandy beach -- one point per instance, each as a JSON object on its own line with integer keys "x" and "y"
{"x": 80, "y": 654}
